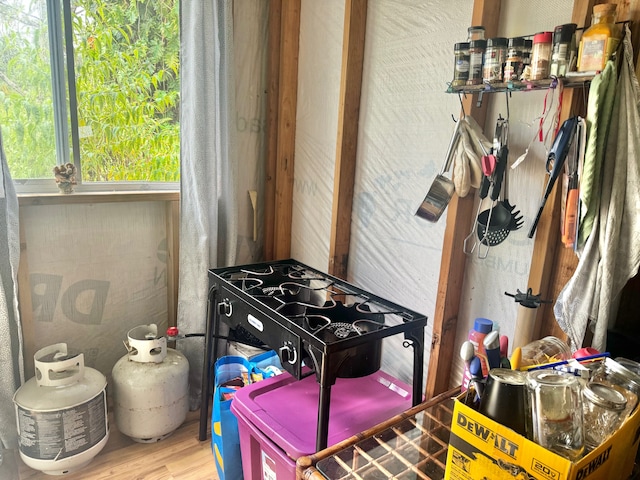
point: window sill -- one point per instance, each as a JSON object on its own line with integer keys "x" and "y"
{"x": 30, "y": 199}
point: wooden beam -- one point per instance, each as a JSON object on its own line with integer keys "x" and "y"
{"x": 273, "y": 100}
{"x": 288, "y": 94}
{"x": 453, "y": 262}
{"x": 355, "y": 21}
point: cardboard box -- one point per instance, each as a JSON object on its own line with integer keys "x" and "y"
{"x": 480, "y": 448}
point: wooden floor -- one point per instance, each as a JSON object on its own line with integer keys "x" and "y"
{"x": 180, "y": 456}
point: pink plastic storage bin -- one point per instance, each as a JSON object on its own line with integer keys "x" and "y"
{"x": 277, "y": 417}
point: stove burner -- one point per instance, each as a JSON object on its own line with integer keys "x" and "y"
{"x": 343, "y": 330}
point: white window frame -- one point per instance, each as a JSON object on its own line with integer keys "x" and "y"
{"x": 59, "y": 14}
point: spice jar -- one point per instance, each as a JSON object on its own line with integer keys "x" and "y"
{"x": 541, "y": 55}
{"x": 475, "y": 33}
{"x": 494, "y": 58}
{"x": 602, "y": 407}
{"x": 461, "y": 67}
{"x": 513, "y": 64}
{"x": 600, "y": 40}
{"x": 526, "y": 52}
{"x": 563, "y": 49}
{"x": 476, "y": 59}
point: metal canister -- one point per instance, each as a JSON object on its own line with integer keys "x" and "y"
{"x": 494, "y": 58}
{"x": 150, "y": 386}
{"x": 61, "y": 413}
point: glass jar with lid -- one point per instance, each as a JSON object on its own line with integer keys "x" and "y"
{"x": 461, "y": 66}
{"x": 513, "y": 64}
{"x": 494, "y": 58}
{"x": 475, "y": 33}
{"x": 563, "y": 52}
{"x": 600, "y": 40}
{"x": 602, "y": 407}
{"x": 541, "y": 55}
{"x": 476, "y": 59}
{"x": 614, "y": 373}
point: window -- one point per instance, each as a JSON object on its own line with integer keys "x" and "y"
{"x": 94, "y": 83}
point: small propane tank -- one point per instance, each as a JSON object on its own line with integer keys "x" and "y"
{"x": 150, "y": 386}
{"x": 61, "y": 413}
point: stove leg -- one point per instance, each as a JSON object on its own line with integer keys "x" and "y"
{"x": 210, "y": 352}
{"x": 417, "y": 342}
{"x": 323, "y": 417}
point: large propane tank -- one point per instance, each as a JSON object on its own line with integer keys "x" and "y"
{"x": 61, "y": 413}
{"x": 150, "y": 386}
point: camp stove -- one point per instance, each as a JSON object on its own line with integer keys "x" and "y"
{"x": 318, "y": 324}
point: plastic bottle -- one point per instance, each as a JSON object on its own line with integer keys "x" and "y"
{"x": 600, "y": 40}
{"x": 481, "y": 327}
{"x": 541, "y": 55}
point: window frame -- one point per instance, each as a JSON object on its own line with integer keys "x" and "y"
{"x": 60, "y": 24}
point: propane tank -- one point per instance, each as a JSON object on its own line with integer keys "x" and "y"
{"x": 61, "y": 413}
{"x": 150, "y": 386}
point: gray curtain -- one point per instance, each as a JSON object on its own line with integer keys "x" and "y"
{"x": 11, "y": 354}
{"x": 208, "y": 211}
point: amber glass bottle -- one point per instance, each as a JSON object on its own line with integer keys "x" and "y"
{"x": 600, "y": 40}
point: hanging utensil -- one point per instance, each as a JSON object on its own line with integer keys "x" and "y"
{"x": 442, "y": 188}
{"x": 572, "y": 207}
{"x": 516, "y": 220}
{"x": 482, "y": 193}
{"x": 493, "y": 224}
{"x": 555, "y": 162}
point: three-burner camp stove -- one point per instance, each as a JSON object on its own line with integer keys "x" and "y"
{"x": 318, "y": 324}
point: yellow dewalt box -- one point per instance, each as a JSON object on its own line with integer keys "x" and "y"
{"x": 480, "y": 448}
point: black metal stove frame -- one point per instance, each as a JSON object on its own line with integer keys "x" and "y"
{"x": 238, "y": 308}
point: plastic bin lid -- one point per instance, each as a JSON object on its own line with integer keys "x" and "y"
{"x": 286, "y": 410}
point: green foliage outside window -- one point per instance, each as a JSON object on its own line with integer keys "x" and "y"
{"x": 127, "y": 82}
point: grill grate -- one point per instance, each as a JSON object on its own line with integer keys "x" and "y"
{"x": 415, "y": 448}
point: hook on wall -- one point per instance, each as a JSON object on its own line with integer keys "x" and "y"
{"x": 463, "y": 113}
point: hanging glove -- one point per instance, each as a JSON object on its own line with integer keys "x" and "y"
{"x": 467, "y": 167}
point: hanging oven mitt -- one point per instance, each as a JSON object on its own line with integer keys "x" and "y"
{"x": 467, "y": 166}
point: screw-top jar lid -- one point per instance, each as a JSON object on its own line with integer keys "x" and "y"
{"x": 476, "y": 32}
{"x": 564, "y": 33}
{"x": 461, "y": 46}
{"x": 478, "y": 44}
{"x": 528, "y": 43}
{"x": 497, "y": 42}
{"x": 542, "y": 37}
{"x": 604, "y": 396}
{"x": 516, "y": 42}
{"x": 482, "y": 325}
